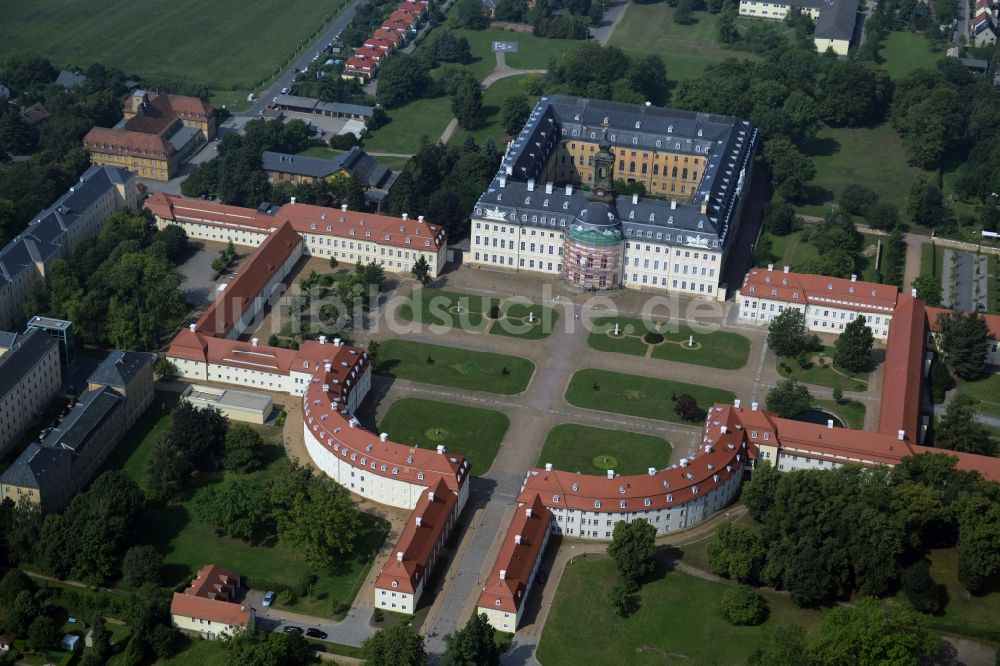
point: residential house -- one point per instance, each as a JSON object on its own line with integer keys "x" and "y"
{"x": 211, "y": 606}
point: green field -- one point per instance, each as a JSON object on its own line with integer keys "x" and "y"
{"x": 851, "y": 411}
{"x": 467, "y": 312}
{"x": 828, "y": 375}
{"x": 473, "y": 432}
{"x": 532, "y": 53}
{"x": 649, "y": 29}
{"x": 986, "y": 391}
{"x": 719, "y": 349}
{"x": 678, "y": 621}
{"x": 424, "y": 117}
{"x": 456, "y": 367}
{"x": 491, "y": 125}
{"x": 790, "y": 250}
{"x": 579, "y": 448}
{"x": 131, "y": 453}
{"x": 844, "y": 156}
{"x": 904, "y": 52}
{"x": 637, "y": 396}
{"x": 226, "y": 44}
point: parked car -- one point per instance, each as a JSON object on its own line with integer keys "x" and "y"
{"x": 284, "y": 91}
{"x": 295, "y": 70}
{"x": 312, "y": 632}
{"x": 268, "y": 599}
{"x": 292, "y": 629}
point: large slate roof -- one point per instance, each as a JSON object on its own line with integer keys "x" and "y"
{"x": 20, "y": 359}
{"x": 836, "y": 19}
{"x": 120, "y": 367}
{"x": 360, "y": 164}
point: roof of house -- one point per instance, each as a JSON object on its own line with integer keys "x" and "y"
{"x": 68, "y": 79}
{"x": 904, "y": 369}
{"x": 820, "y": 290}
{"x": 37, "y": 467}
{"x": 519, "y": 551}
{"x": 19, "y": 361}
{"x": 34, "y": 114}
{"x": 214, "y": 582}
{"x": 992, "y": 320}
{"x": 356, "y": 63}
{"x": 122, "y": 141}
{"x": 836, "y": 20}
{"x": 120, "y": 367}
{"x": 424, "y": 530}
{"x": 305, "y": 218}
{"x": 221, "y": 612}
{"x": 242, "y": 291}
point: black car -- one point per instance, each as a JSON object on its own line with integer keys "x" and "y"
{"x": 312, "y": 632}
{"x": 292, "y": 629}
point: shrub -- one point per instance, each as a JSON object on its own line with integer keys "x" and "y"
{"x": 494, "y": 312}
{"x": 838, "y": 394}
{"x": 687, "y": 408}
{"x": 343, "y": 141}
{"x": 653, "y": 337}
{"x": 742, "y": 606}
{"x": 378, "y": 615}
{"x": 920, "y": 588}
{"x": 803, "y": 360}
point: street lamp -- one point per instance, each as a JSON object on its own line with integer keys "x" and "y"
{"x": 572, "y": 553}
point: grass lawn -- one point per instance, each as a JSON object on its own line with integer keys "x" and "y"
{"x": 195, "y": 651}
{"x": 904, "y": 52}
{"x": 219, "y": 44}
{"x": 467, "y": 312}
{"x": 851, "y": 411}
{"x": 932, "y": 262}
{"x": 532, "y": 52}
{"x": 579, "y": 448}
{"x": 636, "y": 395}
{"x": 829, "y": 376}
{"x": 986, "y": 391}
{"x": 492, "y": 121}
{"x": 678, "y": 621}
{"x": 993, "y": 284}
{"x": 424, "y": 117}
{"x": 475, "y": 433}
{"x": 844, "y": 156}
{"x": 792, "y": 251}
{"x": 648, "y": 29}
{"x": 456, "y": 367}
{"x": 132, "y": 452}
{"x": 715, "y": 350}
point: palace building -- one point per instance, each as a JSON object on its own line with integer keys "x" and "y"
{"x": 552, "y": 208}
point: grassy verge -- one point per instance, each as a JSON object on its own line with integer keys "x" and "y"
{"x": 473, "y": 432}
{"x": 578, "y": 448}
{"x": 932, "y": 262}
{"x": 491, "y": 120}
{"x": 456, "y": 367}
{"x": 720, "y": 349}
{"x": 986, "y": 391}
{"x": 904, "y": 52}
{"x": 132, "y": 452}
{"x": 852, "y": 412}
{"x": 424, "y": 117}
{"x": 678, "y": 621}
{"x": 823, "y": 375}
{"x": 450, "y": 309}
{"x": 637, "y": 396}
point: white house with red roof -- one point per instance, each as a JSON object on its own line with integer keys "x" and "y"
{"x": 828, "y": 303}
{"x": 210, "y": 606}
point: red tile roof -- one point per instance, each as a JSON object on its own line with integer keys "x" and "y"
{"x": 405, "y": 14}
{"x": 214, "y": 582}
{"x": 992, "y": 321}
{"x": 123, "y": 142}
{"x": 241, "y": 292}
{"x": 359, "y": 64}
{"x": 382, "y": 43}
{"x": 209, "y": 597}
{"x": 519, "y": 551}
{"x": 370, "y": 53}
{"x": 305, "y": 218}
{"x": 818, "y": 289}
{"x": 392, "y": 35}
{"x": 426, "y": 527}
{"x": 904, "y": 370}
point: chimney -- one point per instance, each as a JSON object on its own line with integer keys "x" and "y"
{"x": 418, "y": 521}
{"x": 753, "y": 406}
{"x": 510, "y": 170}
{"x": 770, "y": 267}
{"x": 829, "y": 424}
{"x": 254, "y": 341}
{"x": 399, "y": 556}
{"x": 737, "y": 403}
{"x": 337, "y": 342}
{"x": 517, "y": 539}
{"x": 611, "y": 473}
{"x": 328, "y": 367}
{"x": 503, "y": 181}
{"x": 326, "y": 389}
{"x": 635, "y": 199}
{"x": 430, "y": 495}
{"x": 531, "y": 184}
{"x": 193, "y": 328}
{"x": 343, "y": 207}
{"x": 322, "y": 339}
{"x": 548, "y": 467}
{"x": 786, "y": 269}
{"x": 569, "y": 189}
{"x": 527, "y": 512}
{"x": 503, "y": 574}
{"x": 901, "y": 435}
{"x": 420, "y": 218}
{"x": 704, "y": 205}
{"x": 440, "y": 449}
{"x": 383, "y": 437}
{"x": 293, "y": 201}
{"x": 724, "y": 429}
{"x": 854, "y": 278}
{"x": 651, "y": 471}
{"x": 405, "y": 216}
{"x": 548, "y": 187}
{"x": 913, "y": 292}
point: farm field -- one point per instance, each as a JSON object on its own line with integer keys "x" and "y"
{"x": 216, "y": 44}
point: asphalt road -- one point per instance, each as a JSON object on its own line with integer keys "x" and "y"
{"x": 305, "y": 59}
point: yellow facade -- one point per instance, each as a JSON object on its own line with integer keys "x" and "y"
{"x": 144, "y": 167}
{"x": 664, "y": 173}
{"x": 16, "y": 493}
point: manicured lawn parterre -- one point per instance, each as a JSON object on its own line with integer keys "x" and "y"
{"x": 467, "y": 312}
{"x": 218, "y": 44}
{"x": 678, "y": 621}
{"x": 986, "y": 391}
{"x": 904, "y": 52}
{"x": 716, "y": 350}
{"x": 579, "y": 448}
{"x": 475, "y": 433}
{"x": 823, "y": 375}
{"x": 456, "y": 367}
{"x": 636, "y": 395}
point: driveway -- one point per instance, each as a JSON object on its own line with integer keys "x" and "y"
{"x": 352, "y": 630}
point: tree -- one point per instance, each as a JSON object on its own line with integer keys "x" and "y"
{"x": 978, "y": 544}
{"x": 467, "y": 104}
{"x": 421, "y": 271}
{"x": 742, "y": 605}
{"x": 788, "y": 649}
{"x": 141, "y": 565}
{"x": 239, "y": 509}
{"x": 13, "y": 583}
{"x": 928, "y": 289}
{"x": 320, "y": 520}
{"x": 858, "y": 199}
{"x": 687, "y": 408}
{"x": 853, "y": 348}
{"x": 964, "y": 340}
{"x": 725, "y": 25}
{"x": 632, "y": 548}
{"x": 622, "y": 598}
{"x": 790, "y": 169}
{"x": 21, "y": 613}
{"x": 683, "y": 12}
{"x": 43, "y": 634}
{"x": 163, "y": 640}
{"x": 786, "y": 334}
{"x": 166, "y": 467}
{"x": 514, "y": 113}
{"x": 100, "y": 637}
{"x": 470, "y": 15}
{"x": 894, "y": 258}
{"x": 920, "y": 588}
{"x": 788, "y": 399}
{"x": 165, "y": 367}
{"x": 925, "y": 204}
{"x": 261, "y": 648}
{"x": 940, "y": 380}
{"x": 243, "y": 449}
{"x": 395, "y": 646}
{"x": 883, "y": 215}
{"x": 780, "y": 219}
{"x": 737, "y": 552}
{"x": 874, "y": 632}
{"x": 473, "y": 645}
{"x": 402, "y": 79}
{"x": 959, "y": 430}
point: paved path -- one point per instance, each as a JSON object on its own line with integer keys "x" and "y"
{"x": 613, "y": 15}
